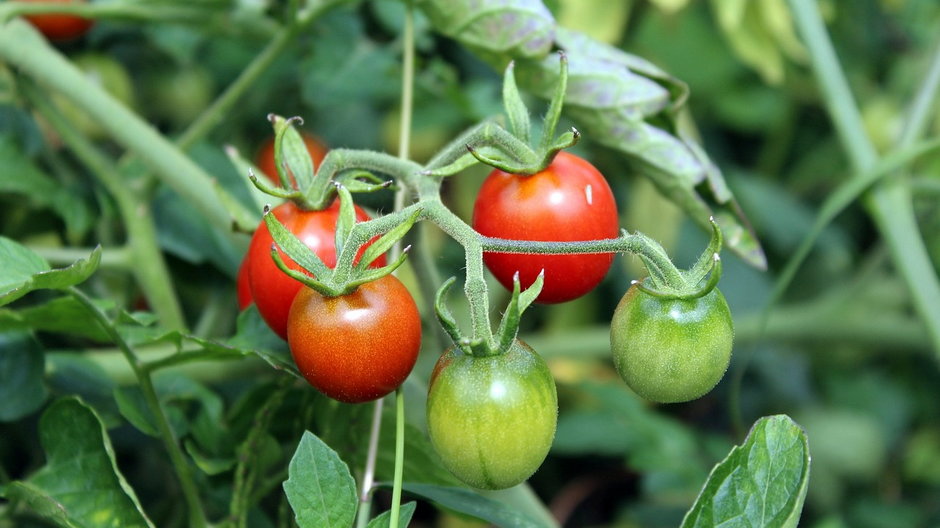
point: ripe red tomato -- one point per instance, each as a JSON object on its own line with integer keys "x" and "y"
{"x": 568, "y": 201}
{"x": 356, "y": 347}
{"x": 242, "y": 286}
{"x": 60, "y": 26}
{"x": 265, "y": 158}
{"x": 272, "y": 290}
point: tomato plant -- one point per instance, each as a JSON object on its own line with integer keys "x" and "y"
{"x": 671, "y": 350}
{"x": 60, "y": 26}
{"x": 568, "y": 201}
{"x": 359, "y": 346}
{"x": 272, "y": 290}
{"x": 107, "y": 73}
{"x": 492, "y": 418}
{"x": 264, "y": 159}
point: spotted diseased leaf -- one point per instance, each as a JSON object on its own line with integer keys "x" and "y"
{"x": 762, "y": 482}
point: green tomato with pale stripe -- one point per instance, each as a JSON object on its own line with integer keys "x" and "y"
{"x": 492, "y": 418}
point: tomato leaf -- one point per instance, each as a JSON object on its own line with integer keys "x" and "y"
{"x": 471, "y": 503}
{"x": 61, "y": 315}
{"x": 24, "y": 271}
{"x": 22, "y": 367}
{"x": 523, "y": 28}
{"x": 404, "y": 516}
{"x": 80, "y": 485}
{"x": 319, "y": 487}
{"x": 762, "y": 482}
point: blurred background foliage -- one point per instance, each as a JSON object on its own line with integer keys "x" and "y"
{"x": 843, "y": 353}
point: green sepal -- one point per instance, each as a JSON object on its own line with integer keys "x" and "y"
{"x": 290, "y": 154}
{"x": 277, "y": 192}
{"x": 345, "y": 220}
{"x": 246, "y": 218}
{"x": 303, "y": 278}
{"x": 369, "y": 274}
{"x": 444, "y": 315}
{"x": 705, "y": 263}
{"x": 554, "y": 107}
{"x": 363, "y": 182}
{"x": 509, "y": 324}
{"x": 294, "y": 248}
{"x": 700, "y": 290}
{"x": 515, "y": 109}
{"x": 386, "y": 241}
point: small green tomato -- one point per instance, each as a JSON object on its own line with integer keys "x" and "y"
{"x": 492, "y": 419}
{"x": 671, "y": 350}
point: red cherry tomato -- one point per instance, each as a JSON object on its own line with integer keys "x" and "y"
{"x": 265, "y": 158}
{"x": 242, "y": 286}
{"x": 356, "y": 347}
{"x": 568, "y": 201}
{"x": 272, "y": 290}
{"x": 56, "y": 26}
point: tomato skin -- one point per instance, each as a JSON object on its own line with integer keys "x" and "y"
{"x": 671, "y": 350}
{"x": 356, "y": 347}
{"x": 568, "y": 201}
{"x": 265, "y": 157}
{"x": 272, "y": 290}
{"x": 243, "y": 286}
{"x": 492, "y": 419}
{"x": 59, "y": 27}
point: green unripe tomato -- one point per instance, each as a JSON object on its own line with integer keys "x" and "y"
{"x": 671, "y": 350}
{"x": 492, "y": 419}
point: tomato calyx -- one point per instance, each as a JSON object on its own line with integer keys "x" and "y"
{"x": 511, "y": 150}
{"x": 352, "y": 269}
{"x": 694, "y": 283}
{"x": 488, "y": 345}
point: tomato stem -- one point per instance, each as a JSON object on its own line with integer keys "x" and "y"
{"x": 399, "y": 456}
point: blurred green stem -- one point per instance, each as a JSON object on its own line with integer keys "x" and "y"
{"x": 890, "y": 202}
{"x": 145, "y": 258}
{"x": 114, "y": 258}
{"x": 197, "y": 517}
{"x": 399, "y": 456}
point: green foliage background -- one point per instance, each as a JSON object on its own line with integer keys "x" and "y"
{"x": 844, "y": 351}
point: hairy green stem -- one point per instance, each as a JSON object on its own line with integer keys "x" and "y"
{"x": 197, "y": 517}
{"x": 146, "y": 260}
{"x": 890, "y": 202}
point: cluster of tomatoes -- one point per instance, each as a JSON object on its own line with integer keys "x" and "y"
{"x": 491, "y": 417}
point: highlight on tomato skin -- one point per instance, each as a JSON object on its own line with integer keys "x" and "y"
{"x": 568, "y": 201}
{"x": 356, "y": 347}
{"x": 59, "y": 26}
{"x": 271, "y": 289}
{"x": 264, "y": 160}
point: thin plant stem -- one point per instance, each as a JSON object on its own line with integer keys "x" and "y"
{"x": 399, "y": 456}
{"x": 144, "y": 255}
{"x": 890, "y": 203}
{"x": 197, "y": 517}
{"x": 368, "y": 475}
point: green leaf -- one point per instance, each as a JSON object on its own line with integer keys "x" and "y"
{"x": 80, "y": 485}
{"x": 319, "y": 487}
{"x": 24, "y": 271}
{"x": 516, "y": 110}
{"x": 523, "y": 28}
{"x": 20, "y": 176}
{"x": 761, "y": 483}
{"x": 21, "y": 376}
{"x": 404, "y": 517}
{"x": 471, "y": 503}
{"x": 63, "y": 315}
